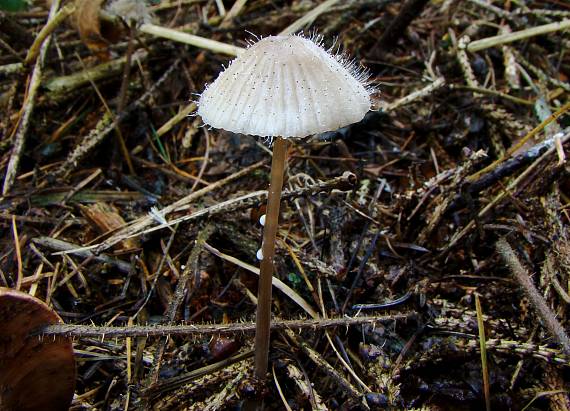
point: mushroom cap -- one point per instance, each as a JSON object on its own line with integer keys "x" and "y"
{"x": 35, "y": 373}
{"x": 286, "y": 86}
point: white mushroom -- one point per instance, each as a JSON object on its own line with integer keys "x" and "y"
{"x": 286, "y": 86}
{"x": 282, "y": 87}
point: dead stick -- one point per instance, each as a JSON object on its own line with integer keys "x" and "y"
{"x": 50, "y": 26}
{"x": 190, "y": 267}
{"x": 28, "y": 108}
{"x": 324, "y": 366}
{"x": 142, "y": 224}
{"x": 523, "y": 277}
{"x": 90, "y": 331}
{"x": 138, "y": 225}
{"x": 518, "y": 35}
{"x": 59, "y": 245}
{"x": 123, "y": 97}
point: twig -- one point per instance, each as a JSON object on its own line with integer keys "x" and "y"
{"x": 20, "y": 274}
{"x": 166, "y": 127}
{"x": 539, "y": 72}
{"x": 512, "y": 73}
{"x": 466, "y": 68}
{"x": 165, "y": 255}
{"x": 50, "y": 26}
{"x": 190, "y": 39}
{"x": 13, "y": 68}
{"x": 276, "y": 282}
{"x": 320, "y": 362}
{"x": 209, "y": 370}
{"x": 59, "y": 87}
{"x": 509, "y": 347}
{"x": 493, "y": 9}
{"x": 280, "y": 390}
{"x": 499, "y": 197}
{"x": 522, "y": 141}
{"x": 495, "y": 93}
{"x": 82, "y": 184}
{"x": 138, "y": 226}
{"x": 70, "y": 248}
{"x": 190, "y": 267}
{"x": 28, "y": 108}
{"x": 345, "y": 363}
{"x": 308, "y": 18}
{"x": 91, "y": 331}
{"x": 239, "y": 203}
{"x": 541, "y": 12}
{"x": 306, "y": 388}
{"x": 483, "y": 44}
{"x": 234, "y": 12}
{"x": 416, "y": 95}
{"x": 549, "y": 271}
{"x": 123, "y": 95}
{"x": 521, "y": 274}
{"x": 370, "y": 249}
{"x": 505, "y": 169}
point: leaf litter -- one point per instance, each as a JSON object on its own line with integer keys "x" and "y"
{"x": 140, "y": 228}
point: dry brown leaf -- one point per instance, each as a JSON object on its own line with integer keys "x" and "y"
{"x": 87, "y": 23}
{"x": 106, "y": 218}
{"x": 36, "y": 373}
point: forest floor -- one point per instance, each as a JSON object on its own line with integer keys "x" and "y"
{"x": 446, "y": 207}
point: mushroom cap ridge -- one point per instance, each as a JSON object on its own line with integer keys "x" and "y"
{"x": 285, "y": 86}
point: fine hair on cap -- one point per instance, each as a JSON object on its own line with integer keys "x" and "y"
{"x": 286, "y": 86}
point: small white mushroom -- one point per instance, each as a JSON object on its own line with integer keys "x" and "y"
{"x": 286, "y": 86}
{"x": 282, "y": 87}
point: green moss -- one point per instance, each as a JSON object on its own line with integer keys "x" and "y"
{"x": 13, "y": 5}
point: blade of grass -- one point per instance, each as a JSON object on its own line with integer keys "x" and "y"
{"x": 483, "y": 345}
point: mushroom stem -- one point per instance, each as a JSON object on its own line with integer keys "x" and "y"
{"x": 263, "y": 319}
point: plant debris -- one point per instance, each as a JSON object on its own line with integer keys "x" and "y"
{"x": 140, "y": 227}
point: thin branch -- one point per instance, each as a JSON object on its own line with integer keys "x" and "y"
{"x": 186, "y": 38}
{"x": 517, "y": 35}
{"x": 538, "y": 302}
{"x": 140, "y": 226}
{"x": 28, "y": 108}
{"x": 90, "y": 331}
